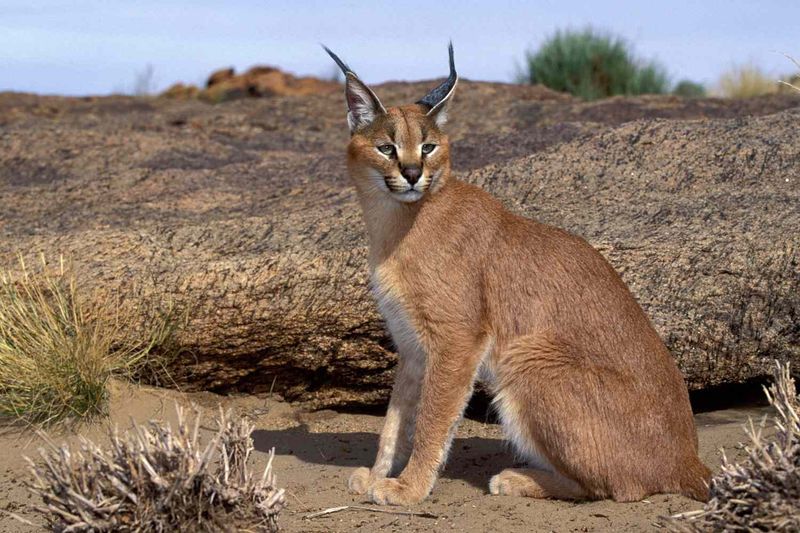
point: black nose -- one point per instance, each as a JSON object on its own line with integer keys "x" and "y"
{"x": 411, "y": 174}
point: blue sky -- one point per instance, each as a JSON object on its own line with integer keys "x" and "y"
{"x": 96, "y": 47}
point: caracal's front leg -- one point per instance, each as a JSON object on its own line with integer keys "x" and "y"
{"x": 394, "y": 446}
{"x": 447, "y": 385}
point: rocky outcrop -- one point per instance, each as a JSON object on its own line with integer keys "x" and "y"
{"x": 242, "y": 214}
{"x": 224, "y": 85}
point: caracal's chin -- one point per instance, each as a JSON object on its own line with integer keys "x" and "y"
{"x": 408, "y": 197}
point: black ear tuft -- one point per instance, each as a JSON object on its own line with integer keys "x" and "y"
{"x": 362, "y": 104}
{"x": 445, "y": 89}
{"x": 342, "y": 64}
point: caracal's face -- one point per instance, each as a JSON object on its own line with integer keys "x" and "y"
{"x": 402, "y": 154}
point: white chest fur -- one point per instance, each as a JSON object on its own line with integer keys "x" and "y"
{"x": 395, "y": 314}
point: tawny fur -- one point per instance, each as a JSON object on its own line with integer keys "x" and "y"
{"x": 585, "y": 388}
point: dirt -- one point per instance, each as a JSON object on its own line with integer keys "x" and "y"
{"x": 316, "y": 451}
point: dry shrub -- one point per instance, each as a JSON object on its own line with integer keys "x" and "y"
{"x": 762, "y": 493}
{"x": 58, "y": 350}
{"x": 746, "y": 81}
{"x": 157, "y": 479}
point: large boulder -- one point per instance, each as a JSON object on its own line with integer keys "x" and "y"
{"x": 242, "y": 214}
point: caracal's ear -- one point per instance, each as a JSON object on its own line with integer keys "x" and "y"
{"x": 438, "y": 99}
{"x": 362, "y": 104}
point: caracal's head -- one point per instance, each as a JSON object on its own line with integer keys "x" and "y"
{"x": 399, "y": 152}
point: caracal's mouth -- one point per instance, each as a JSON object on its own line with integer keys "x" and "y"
{"x": 406, "y": 193}
{"x": 409, "y": 196}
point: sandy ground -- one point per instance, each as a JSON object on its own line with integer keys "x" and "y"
{"x": 316, "y": 452}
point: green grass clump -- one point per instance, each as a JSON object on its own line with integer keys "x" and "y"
{"x": 689, "y": 89}
{"x": 592, "y": 65}
{"x": 58, "y": 351}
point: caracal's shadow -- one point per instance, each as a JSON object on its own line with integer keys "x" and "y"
{"x": 472, "y": 459}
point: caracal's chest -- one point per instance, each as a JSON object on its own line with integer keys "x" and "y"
{"x": 396, "y": 310}
{"x": 407, "y": 334}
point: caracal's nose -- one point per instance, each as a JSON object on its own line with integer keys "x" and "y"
{"x": 411, "y": 174}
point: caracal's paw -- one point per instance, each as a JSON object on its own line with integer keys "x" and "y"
{"x": 509, "y": 483}
{"x": 393, "y": 491}
{"x": 360, "y": 480}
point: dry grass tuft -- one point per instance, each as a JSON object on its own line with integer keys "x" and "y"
{"x": 763, "y": 492}
{"x": 794, "y": 82}
{"x": 157, "y": 479}
{"x": 746, "y": 81}
{"x": 58, "y": 351}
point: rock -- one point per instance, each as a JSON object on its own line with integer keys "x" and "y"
{"x": 219, "y": 76}
{"x": 697, "y": 217}
{"x": 270, "y": 81}
{"x": 242, "y": 214}
{"x": 224, "y": 85}
{"x": 232, "y": 89}
{"x": 181, "y": 91}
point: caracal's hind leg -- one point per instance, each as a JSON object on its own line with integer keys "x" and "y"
{"x": 517, "y": 370}
{"x": 535, "y": 484}
{"x": 590, "y": 424}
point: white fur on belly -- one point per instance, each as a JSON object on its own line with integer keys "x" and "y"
{"x": 515, "y": 421}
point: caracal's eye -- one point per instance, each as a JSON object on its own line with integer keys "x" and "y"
{"x": 428, "y": 148}
{"x": 386, "y": 149}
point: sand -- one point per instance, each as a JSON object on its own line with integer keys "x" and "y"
{"x": 316, "y": 451}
